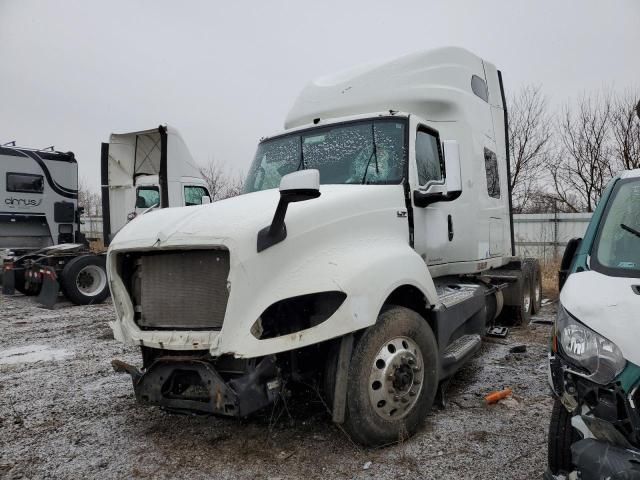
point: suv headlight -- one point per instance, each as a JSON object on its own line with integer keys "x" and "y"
{"x": 601, "y": 359}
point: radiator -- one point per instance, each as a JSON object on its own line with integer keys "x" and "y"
{"x": 183, "y": 290}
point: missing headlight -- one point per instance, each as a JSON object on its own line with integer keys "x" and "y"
{"x": 295, "y": 314}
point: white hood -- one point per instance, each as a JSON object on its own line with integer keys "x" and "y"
{"x": 349, "y": 233}
{"x": 607, "y": 305}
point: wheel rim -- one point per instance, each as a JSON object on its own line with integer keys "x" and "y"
{"x": 537, "y": 293}
{"x": 396, "y": 378}
{"x": 91, "y": 280}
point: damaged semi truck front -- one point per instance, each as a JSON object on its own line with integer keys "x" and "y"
{"x": 370, "y": 251}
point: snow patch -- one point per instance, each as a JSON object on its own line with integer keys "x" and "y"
{"x": 32, "y": 354}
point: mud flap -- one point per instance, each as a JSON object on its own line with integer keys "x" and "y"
{"x": 8, "y": 278}
{"x": 48, "y": 295}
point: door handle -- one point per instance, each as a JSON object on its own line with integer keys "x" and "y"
{"x": 450, "y": 226}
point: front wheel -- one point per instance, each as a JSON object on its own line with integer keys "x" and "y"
{"x": 393, "y": 378}
{"x": 84, "y": 280}
{"x": 561, "y": 436}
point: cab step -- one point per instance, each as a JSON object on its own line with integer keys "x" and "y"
{"x": 461, "y": 348}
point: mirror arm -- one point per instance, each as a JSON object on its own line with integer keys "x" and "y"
{"x": 277, "y": 231}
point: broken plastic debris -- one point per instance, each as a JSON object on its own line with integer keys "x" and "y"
{"x": 367, "y": 466}
{"x": 498, "y": 395}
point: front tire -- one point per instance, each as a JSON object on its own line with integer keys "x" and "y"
{"x": 393, "y": 378}
{"x": 84, "y": 280}
{"x": 561, "y": 436}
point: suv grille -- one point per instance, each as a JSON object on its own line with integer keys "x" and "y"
{"x": 182, "y": 290}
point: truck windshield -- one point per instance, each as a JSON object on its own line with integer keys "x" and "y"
{"x": 361, "y": 152}
{"x": 617, "y": 247}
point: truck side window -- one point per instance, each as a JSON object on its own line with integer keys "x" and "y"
{"x": 25, "y": 183}
{"x": 493, "y": 177}
{"x": 193, "y": 195}
{"x": 147, "y": 197}
{"x": 428, "y": 158}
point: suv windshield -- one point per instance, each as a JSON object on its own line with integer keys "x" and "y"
{"x": 617, "y": 248}
{"x": 361, "y": 152}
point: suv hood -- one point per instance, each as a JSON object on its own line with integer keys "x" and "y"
{"x": 607, "y": 305}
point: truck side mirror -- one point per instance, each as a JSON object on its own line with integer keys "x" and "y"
{"x": 452, "y": 187}
{"x": 205, "y": 199}
{"x": 567, "y": 259}
{"x": 294, "y": 187}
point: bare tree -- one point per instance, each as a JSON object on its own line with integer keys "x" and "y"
{"x": 582, "y": 167}
{"x": 529, "y": 142}
{"x": 219, "y": 183}
{"x": 90, "y": 200}
{"x": 625, "y": 126}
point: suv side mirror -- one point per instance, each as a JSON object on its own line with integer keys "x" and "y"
{"x": 567, "y": 259}
{"x": 205, "y": 199}
{"x": 452, "y": 187}
{"x": 294, "y": 187}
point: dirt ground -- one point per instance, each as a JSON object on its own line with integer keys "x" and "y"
{"x": 65, "y": 414}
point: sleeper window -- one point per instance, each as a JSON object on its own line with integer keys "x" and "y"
{"x": 25, "y": 183}
{"x": 427, "y": 158}
{"x": 493, "y": 177}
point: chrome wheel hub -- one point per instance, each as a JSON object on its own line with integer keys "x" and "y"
{"x": 396, "y": 378}
{"x": 91, "y": 280}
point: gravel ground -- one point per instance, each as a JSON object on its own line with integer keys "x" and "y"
{"x": 65, "y": 414}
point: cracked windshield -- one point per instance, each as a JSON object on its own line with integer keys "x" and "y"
{"x": 366, "y": 152}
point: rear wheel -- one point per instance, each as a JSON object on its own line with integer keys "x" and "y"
{"x": 536, "y": 284}
{"x": 392, "y": 378}
{"x": 561, "y": 436}
{"x": 84, "y": 280}
{"x": 20, "y": 283}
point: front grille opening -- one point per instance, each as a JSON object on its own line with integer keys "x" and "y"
{"x": 179, "y": 289}
{"x": 185, "y": 385}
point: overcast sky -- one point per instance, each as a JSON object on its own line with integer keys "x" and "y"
{"x": 226, "y": 72}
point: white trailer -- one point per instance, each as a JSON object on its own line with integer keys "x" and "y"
{"x": 370, "y": 252}
{"x": 40, "y": 225}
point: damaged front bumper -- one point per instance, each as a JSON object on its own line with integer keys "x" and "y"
{"x": 604, "y": 451}
{"x": 192, "y": 384}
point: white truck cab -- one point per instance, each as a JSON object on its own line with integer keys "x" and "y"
{"x": 138, "y": 177}
{"x": 369, "y": 253}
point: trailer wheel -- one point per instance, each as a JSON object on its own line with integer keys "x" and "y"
{"x": 84, "y": 280}
{"x": 561, "y": 436}
{"x": 393, "y": 378}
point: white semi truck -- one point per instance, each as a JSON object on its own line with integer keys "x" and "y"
{"x": 40, "y": 218}
{"x": 372, "y": 248}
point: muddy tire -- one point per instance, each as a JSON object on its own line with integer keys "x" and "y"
{"x": 536, "y": 284}
{"x": 393, "y": 378}
{"x": 561, "y": 436}
{"x": 520, "y": 314}
{"x": 84, "y": 280}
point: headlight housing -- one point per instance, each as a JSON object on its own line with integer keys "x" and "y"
{"x": 600, "y": 359}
